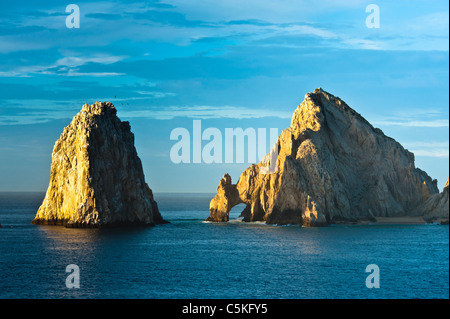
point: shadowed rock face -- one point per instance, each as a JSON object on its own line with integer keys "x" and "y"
{"x": 96, "y": 176}
{"x": 332, "y": 166}
{"x": 436, "y": 207}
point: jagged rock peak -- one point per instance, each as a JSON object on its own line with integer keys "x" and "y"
{"x": 332, "y": 166}
{"x": 310, "y": 114}
{"x": 99, "y": 108}
{"x": 96, "y": 176}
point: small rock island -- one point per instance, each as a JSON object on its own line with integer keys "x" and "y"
{"x": 96, "y": 176}
{"x": 332, "y": 166}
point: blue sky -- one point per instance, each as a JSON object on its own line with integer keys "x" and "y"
{"x": 229, "y": 63}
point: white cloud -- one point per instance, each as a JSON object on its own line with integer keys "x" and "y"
{"x": 44, "y": 111}
{"x": 413, "y": 123}
{"x": 413, "y": 117}
{"x": 74, "y": 61}
{"x": 13, "y": 74}
{"x": 205, "y": 112}
{"x": 74, "y": 72}
{"x": 66, "y": 67}
{"x": 431, "y": 153}
{"x": 429, "y": 149}
{"x": 154, "y": 94}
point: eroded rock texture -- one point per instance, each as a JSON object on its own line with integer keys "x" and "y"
{"x": 436, "y": 208}
{"x": 96, "y": 176}
{"x": 333, "y": 166}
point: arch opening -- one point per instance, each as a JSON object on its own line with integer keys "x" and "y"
{"x": 236, "y": 212}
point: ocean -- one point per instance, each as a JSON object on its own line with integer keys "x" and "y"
{"x": 191, "y": 259}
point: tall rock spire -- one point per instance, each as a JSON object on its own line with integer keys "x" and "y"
{"x": 96, "y": 176}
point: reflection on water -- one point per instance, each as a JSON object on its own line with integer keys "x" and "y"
{"x": 192, "y": 259}
{"x": 101, "y": 255}
{"x": 68, "y": 239}
{"x": 89, "y": 236}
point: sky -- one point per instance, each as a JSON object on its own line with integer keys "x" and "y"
{"x": 228, "y": 63}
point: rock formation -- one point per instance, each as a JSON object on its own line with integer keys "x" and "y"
{"x": 332, "y": 166}
{"x": 436, "y": 208}
{"x": 96, "y": 176}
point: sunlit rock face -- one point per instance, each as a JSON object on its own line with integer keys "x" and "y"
{"x": 333, "y": 166}
{"x": 96, "y": 176}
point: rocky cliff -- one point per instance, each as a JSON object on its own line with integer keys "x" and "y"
{"x": 96, "y": 176}
{"x": 332, "y": 166}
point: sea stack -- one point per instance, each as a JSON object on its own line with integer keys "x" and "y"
{"x": 96, "y": 176}
{"x": 331, "y": 166}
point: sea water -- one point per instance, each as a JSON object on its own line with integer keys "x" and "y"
{"x": 189, "y": 258}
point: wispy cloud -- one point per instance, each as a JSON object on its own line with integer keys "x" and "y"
{"x": 154, "y": 94}
{"x": 414, "y": 117}
{"x": 74, "y": 61}
{"x": 24, "y": 116}
{"x": 413, "y": 123}
{"x": 429, "y": 149}
{"x": 66, "y": 66}
{"x": 206, "y": 112}
{"x": 28, "y": 116}
{"x": 74, "y": 72}
{"x": 179, "y": 22}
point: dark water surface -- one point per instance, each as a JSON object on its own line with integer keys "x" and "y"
{"x": 192, "y": 259}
